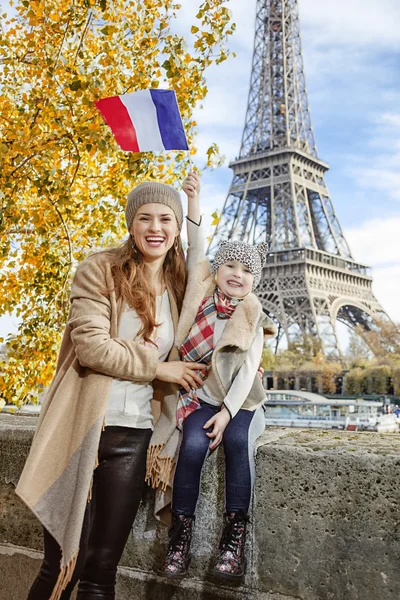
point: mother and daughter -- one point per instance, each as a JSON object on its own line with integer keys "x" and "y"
{"x": 150, "y": 338}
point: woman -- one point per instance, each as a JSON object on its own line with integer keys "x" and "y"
{"x": 85, "y": 472}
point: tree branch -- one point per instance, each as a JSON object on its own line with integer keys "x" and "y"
{"x": 78, "y": 160}
{"x": 61, "y": 45}
{"x": 28, "y": 158}
{"x": 20, "y": 232}
{"x": 83, "y": 35}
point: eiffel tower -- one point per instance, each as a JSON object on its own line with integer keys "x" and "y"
{"x": 279, "y": 195}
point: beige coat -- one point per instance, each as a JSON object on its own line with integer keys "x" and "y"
{"x": 56, "y": 480}
{"x": 229, "y": 355}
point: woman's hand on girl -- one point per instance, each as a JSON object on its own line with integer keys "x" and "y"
{"x": 219, "y": 421}
{"x": 182, "y": 373}
{"x": 191, "y": 186}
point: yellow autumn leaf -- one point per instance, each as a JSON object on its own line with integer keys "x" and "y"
{"x": 216, "y": 217}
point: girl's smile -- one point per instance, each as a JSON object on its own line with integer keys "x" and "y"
{"x": 234, "y": 279}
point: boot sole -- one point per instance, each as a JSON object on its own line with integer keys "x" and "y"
{"x": 176, "y": 576}
{"x": 228, "y": 578}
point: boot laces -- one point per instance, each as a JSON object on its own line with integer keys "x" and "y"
{"x": 233, "y": 535}
{"x": 180, "y": 537}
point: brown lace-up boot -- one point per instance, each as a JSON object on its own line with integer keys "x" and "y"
{"x": 176, "y": 562}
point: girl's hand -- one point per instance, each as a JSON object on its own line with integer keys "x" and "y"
{"x": 191, "y": 186}
{"x": 220, "y": 421}
{"x": 183, "y": 373}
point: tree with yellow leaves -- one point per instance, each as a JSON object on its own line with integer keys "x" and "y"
{"x": 63, "y": 179}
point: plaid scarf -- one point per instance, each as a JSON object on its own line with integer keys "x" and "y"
{"x": 199, "y": 346}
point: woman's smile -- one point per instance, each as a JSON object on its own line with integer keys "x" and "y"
{"x": 155, "y": 241}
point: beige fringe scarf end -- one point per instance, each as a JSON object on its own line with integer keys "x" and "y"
{"x": 64, "y": 578}
{"x": 159, "y": 469}
{"x": 66, "y": 572}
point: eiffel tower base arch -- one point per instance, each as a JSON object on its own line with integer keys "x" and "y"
{"x": 307, "y": 292}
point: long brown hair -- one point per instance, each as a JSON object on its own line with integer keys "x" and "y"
{"x": 132, "y": 276}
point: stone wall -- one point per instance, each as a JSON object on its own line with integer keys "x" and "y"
{"x": 325, "y": 522}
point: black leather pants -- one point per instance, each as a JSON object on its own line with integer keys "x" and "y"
{"x": 117, "y": 489}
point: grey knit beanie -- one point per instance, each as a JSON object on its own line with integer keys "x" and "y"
{"x": 153, "y": 191}
{"x": 253, "y": 257}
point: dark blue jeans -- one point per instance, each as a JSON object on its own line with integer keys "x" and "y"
{"x": 239, "y": 443}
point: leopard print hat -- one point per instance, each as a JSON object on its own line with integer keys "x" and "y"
{"x": 253, "y": 257}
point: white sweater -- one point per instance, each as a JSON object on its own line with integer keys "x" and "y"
{"x": 129, "y": 403}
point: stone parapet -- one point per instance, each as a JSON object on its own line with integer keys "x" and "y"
{"x": 325, "y": 522}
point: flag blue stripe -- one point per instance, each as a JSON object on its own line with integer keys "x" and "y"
{"x": 169, "y": 120}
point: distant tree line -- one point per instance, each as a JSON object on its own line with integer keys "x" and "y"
{"x": 371, "y": 364}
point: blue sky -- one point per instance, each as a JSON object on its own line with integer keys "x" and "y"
{"x": 351, "y": 52}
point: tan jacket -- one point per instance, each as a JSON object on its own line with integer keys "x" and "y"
{"x": 56, "y": 480}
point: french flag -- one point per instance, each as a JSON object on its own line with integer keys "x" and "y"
{"x": 145, "y": 121}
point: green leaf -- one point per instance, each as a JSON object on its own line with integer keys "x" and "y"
{"x": 75, "y": 85}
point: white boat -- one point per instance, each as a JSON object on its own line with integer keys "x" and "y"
{"x": 287, "y": 408}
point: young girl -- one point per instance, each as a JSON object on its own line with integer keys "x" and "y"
{"x": 222, "y": 325}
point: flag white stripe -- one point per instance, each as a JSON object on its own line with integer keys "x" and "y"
{"x": 143, "y": 115}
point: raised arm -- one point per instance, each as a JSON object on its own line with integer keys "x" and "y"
{"x": 191, "y": 187}
{"x": 89, "y": 322}
{"x": 195, "y": 235}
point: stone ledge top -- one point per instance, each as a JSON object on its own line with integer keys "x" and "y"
{"x": 8, "y": 421}
{"x": 312, "y": 440}
{"x": 337, "y": 441}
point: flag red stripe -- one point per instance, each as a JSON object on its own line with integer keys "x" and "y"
{"x": 117, "y": 118}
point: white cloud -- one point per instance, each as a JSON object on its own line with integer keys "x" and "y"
{"x": 367, "y": 23}
{"x": 227, "y": 98}
{"x": 379, "y": 179}
{"x": 386, "y": 286}
{"x": 382, "y": 172}
{"x": 376, "y": 243}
